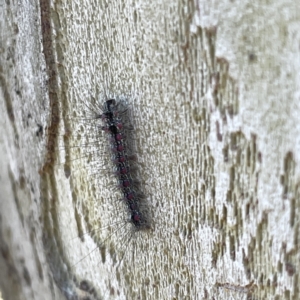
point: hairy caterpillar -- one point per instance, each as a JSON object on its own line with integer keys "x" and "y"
{"x": 101, "y": 151}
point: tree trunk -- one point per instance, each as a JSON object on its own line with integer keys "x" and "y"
{"x": 213, "y": 92}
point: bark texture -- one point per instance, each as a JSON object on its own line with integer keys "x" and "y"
{"x": 214, "y": 92}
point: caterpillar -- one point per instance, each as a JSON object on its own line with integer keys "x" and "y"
{"x": 103, "y": 144}
{"x": 114, "y": 126}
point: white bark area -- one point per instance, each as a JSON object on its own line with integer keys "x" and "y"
{"x": 214, "y": 92}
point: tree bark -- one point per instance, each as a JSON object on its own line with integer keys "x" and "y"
{"x": 213, "y": 89}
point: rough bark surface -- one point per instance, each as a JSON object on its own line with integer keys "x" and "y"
{"x": 214, "y": 91}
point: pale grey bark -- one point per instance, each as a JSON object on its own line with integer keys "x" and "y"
{"x": 213, "y": 88}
